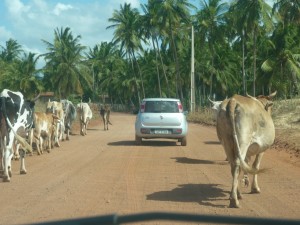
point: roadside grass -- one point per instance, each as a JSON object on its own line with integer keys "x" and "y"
{"x": 203, "y": 116}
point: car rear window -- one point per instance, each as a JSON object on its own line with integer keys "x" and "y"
{"x": 161, "y": 107}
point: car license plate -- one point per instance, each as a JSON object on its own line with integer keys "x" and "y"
{"x": 161, "y": 131}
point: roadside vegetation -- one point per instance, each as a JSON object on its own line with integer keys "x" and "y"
{"x": 241, "y": 46}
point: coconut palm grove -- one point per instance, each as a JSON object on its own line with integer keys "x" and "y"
{"x": 241, "y": 46}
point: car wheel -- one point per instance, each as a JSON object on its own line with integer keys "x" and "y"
{"x": 138, "y": 140}
{"x": 183, "y": 141}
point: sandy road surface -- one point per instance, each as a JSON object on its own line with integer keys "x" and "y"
{"x": 105, "y": 173}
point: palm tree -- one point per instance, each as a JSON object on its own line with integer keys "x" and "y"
{"x": 107, "y": 64}
{"x": 64, "y": 67}
{"x": 11, "y": 51}
{"x": 173, "y": 14}
{"x": 126, "y": 23}
{"x": 22, "y": 75}
{"x": 211, "y": 17}
{"x": 251, "y": 15}
{"x": 283, "y": 59}
{"x": 30, "y": 83}
{"x": 151, "y": 30}
{"x": 289, "y": 11}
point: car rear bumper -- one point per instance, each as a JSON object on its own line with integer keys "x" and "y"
{"x": 170, "y": 133}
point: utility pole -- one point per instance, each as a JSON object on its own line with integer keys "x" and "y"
{"x": 192, "y": 75}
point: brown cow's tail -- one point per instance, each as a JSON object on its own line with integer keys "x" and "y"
{"x": 245, "y": 167}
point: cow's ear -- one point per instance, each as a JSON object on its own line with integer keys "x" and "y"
{"x": 268, "y": 105}
{"x": 31, "y": 104}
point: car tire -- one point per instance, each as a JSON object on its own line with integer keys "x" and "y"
{"x": 183, "y": 141}
{"x": 138, "y": 140}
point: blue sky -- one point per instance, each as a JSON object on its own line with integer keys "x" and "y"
{"x": 30, "y": 21}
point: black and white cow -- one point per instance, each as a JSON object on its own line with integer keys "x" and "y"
{"x": 70, "y": 116}
{"x": 16, "y": 120}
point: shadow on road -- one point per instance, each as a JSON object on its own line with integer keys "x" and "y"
{"x": 122, "y": 143}
{"x": 212, "y": 142}
{"x": 204, "y": 194}
{"x": 186, "y": 160}
{"x": 144, "y": 143}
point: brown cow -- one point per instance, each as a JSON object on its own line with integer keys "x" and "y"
{"x": 45, "y": 126}
{"x": 245, "y": 128}
{"x": 105, "y": 114}
{"x": 57, "y": 109}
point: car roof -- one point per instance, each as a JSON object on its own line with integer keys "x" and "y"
{"x": 160, "y": 99}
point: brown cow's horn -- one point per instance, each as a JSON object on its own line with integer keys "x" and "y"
{"x": 37, "y": 97}
{"x": 272, "y": 95}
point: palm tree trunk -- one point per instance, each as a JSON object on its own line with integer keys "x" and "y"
{"x": 163, "y": 67}
{"x": 140, "y": 74}
{"x": 136, "y": 86}
{"x": 254, "y": 61}
{"x": 243, "y": 64}
{"x": 178, "y": 81}
{"x": 157, "y": 69}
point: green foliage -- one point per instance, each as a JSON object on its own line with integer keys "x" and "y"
{"x": 238, "y": 47}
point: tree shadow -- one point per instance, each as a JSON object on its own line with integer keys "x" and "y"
{"x": 204, "y": 194}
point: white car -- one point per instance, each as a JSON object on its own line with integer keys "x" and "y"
{"x": 161, "y": 118}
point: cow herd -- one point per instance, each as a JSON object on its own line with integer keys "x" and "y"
{"x": 244, "y": 127}
{"x": 21, "y": 127}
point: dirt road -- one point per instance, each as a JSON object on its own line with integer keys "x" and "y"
{"x": 106, "y": 173}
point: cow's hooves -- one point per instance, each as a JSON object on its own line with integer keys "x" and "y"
{"x": 6, "y": 179}
{"x": 23, "y": 172}
{"x": 234, "y": 204}
{"x": 255, "y": 191}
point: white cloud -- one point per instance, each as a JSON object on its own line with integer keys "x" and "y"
{"x": 5, "y": 35}
{"x": 60, "y": 8}
{"x": 31, "y": 21}
{"x": 16, "y": 7}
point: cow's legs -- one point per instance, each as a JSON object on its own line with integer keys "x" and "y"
{"x": 245, "y": 180}
{"x": 86, "y": 126}
{"x": 8, "y": 154}
{"x": 254, "y": 187}
{"x": 2, "y": 157}
{"x": 16, "y": 147}
{"x": 38, "y": 144}
{"x": 234, "y": 202}
{"x": 68, "y": 134}
{"x": 22, "y": 166}
{"x": 57, "y": 135}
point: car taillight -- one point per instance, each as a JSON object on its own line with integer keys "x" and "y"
{"x": 145, "y": 131}
{"x": 180, "y": 107}
{"x": 177, "y": 131}
{"x": 142, "y": 109}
